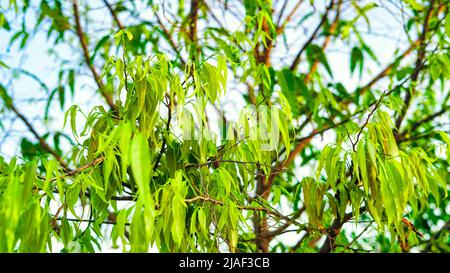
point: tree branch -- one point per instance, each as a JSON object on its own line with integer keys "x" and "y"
{"x": 164, "y": 143}
{"x": 33, "y": 131}
{"x": 419, "y": 61}
{"x": 334, "y": 230}
{"x": 87, "y": 58}
{"x": 113, "y": 14}
{"x": 296, "y": 61}
{"x": 193, "y": 18}
{"x": 419, "y": 123}
{"x": 169, "y": 39}
{"x": 326, "y": 41}
{"x": 281, "y": 27}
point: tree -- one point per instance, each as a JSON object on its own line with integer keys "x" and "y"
{"x": 341, "y": 165}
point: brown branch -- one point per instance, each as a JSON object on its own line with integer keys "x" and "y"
{"x": 169, "y": 39}
{"x": 164, "y": 143}
{"x": 215, "y": 202}
{"x": 113, "y": 14}
{"x": 302, "y": 142}
{"x": 71, "y": 173}
{"x": 419, "y": 62}
{"x": 281, "y": 27}
{"x": 282, "y": 228}
{"x": 383, "y": 73}
{"x": 106, "y": 222}
{"x": 193, "y": 20}
{"x": 419, "y": 123}
{"x": 389, "y": 68}
{"x": 272, "y": 212}
{"x": 296, "y": 61}
{"x": 359, "y": 235}
{"x": 334, "y": 230}
{"x": 411, "y": 226}
{"x": 93, "y": 163}
{"x": 280, "y": 16}
{"x": 33, "y": 131}
{"x": 327, "y": 40}
{"x": 367, "y": 121}
{"x": 87, "y": 58}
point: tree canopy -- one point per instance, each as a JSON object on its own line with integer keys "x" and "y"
{"x": 225, "y": 126}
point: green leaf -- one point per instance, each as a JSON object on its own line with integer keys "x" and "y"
{"x": 250, "y": 7}
{"x": 71, "y": 79}
{"x": 4, "y": 65}
{"x": 178, "y": 205}
{"x": 202, "y": 221}
{"x": 286, "y": 80}
{"x": 140, "y": 163}
{"x": 99, "y": 45}
{"x": 28, "y": 181}
{"x": 129, "y": 35}
{"x": 315, "y": 52}
{"x": 4, "y": 95}
{"x": 356, "y": 57}
{"x": 284, "y": 130}
{"x": 414, "y": 5}
{"x": 120, "y": 70}
{"x": 361, "y": 155}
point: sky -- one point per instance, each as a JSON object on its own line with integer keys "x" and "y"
{"x": 385, "y": 37}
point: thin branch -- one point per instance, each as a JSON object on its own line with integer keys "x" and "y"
{"x": 90, "y": 221}
{"x": 327, "y": 40}
{"x": 417, "y": 137}
{"x": 419, "y": 123}
{"x": 281, "y": 229}
{"x": 383, "y": 73}
{"x": 280, "y": 16}
{"x": 93, "y": 163}
{"x": 367, "y": 121}
{"x": 281, "y": 27}
{"x": 212, "y": 162}
{"x": 41, "y": 140}
{"x": 272, "y": 211}
{"x": 296, "y": 61}
{"x": 419, "y": 61}
{"x": 113, "y": 14}
{"x": 87, "y": 58}
{"x": 334, "y": 230}
{"x": 164, "y": 143}
{"x": 72, "y": 173}
{"x": 169, "y": 39}
{"x": 299, "y": 242}
{"x": 359, "y": 235}
{"x": 193, "y": 18}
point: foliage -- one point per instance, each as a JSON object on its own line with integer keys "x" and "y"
{"x": 151, "y": 168}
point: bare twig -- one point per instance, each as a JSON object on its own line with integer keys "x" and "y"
{"x": 296, "y": 61}
{"x": 419, "y": 62}
{"x": 87, "y": 58}
{"x": 41, "y": 140}
{"x": 113, "y": 14}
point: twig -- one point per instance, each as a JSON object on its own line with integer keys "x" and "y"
{"x": 33, "y": 131}
{"x": 419, "y": 61}
{"x": 367, "y": 120}
{"x": 164, "y": 143}
{"x": 296, "y": 61}
{"x": 87, "y": 58}
{"x": 113, "y": 14}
